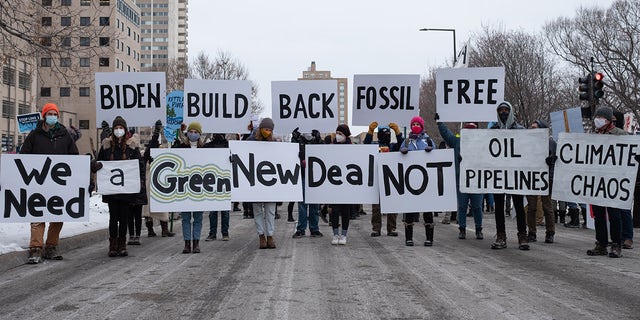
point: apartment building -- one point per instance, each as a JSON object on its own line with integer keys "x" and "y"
{"x": 164, "y": 32}
{"x": 313, "y": 74}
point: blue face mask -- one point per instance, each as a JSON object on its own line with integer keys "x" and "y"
{"x": 193, "y": 136}
{"x": 51, "y": 120}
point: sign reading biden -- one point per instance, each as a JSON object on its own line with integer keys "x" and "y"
{"x": 388, "y": 98}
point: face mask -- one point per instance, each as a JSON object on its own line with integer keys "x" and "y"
{"x": 504, "y": 116}
{"x": 416, "y": 129}
{"x": 119, "y": 133}
{"x": 599, "y": 122}
{"x": 193, "y": 136}
{"x": 265, "y": 133}
{"x": 340, "y": 138}
{"x": 51, "y": 120}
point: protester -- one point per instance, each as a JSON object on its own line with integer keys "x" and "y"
{"x": 247, "y": 207}
{"x": 342, "y": 136}
{"x": 507, "y": 121}
{"x": 116, "y": 147}
{"x": 218, "y": 141}
{"x": 418, "y": 140}
{"x": 384, "y": 145}
{"x": 264, "y": 213}
{"x": 135, "y": 218}
{"x": 626, "y": 218}
{"x": 49, "y": 137}
{"x": 306, "y": 212}
{"x": 463, "y": 198}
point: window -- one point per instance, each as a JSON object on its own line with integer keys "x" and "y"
{"x": 84, "y": 91}
{"x": 65, "y": 21}
{"x": 46, "y": 21}
{"x": 45, "y": 41}
{"x": 104, "y": 41}
{"x": 9, "y": 76}
{"x": 65, "y": 62}
{"x": 85, "y": 3}
{"x": 46, "y": 3}
{"x": 45, "y": 92}
{"x": 83, "y": 124}
{"x": 104, "y": 21}
{"x": 8, "y": 110}
{"x": 24, "y": 80}
{"x": 85, "y": 62}
{"x": 103, "y": 62}
{"x": 128, "y": 32}
{"x": 85, "y": 21}
{"x": 85, "y": 41}
{"x": 104, "y": 2}
{"x": 23, "y": 108}
{"x": 65, "y": 91}
{"x": 45, "y": 62}
{"x": 65, "y": 3}
{"x": 66, "y": 42}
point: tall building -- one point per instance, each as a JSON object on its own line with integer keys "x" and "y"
{"x": 313, "y": 74}
{"x": 164, "y": 32}
{"x": 17, "y": 92}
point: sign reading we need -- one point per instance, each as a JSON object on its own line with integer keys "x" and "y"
{"x": 221, "y": 106}
{"x": 306, "y": 105}
{"x": 341, "y": 174}
{"x": 504, "y": 161}
{"x": 44, "y": 188}
{"x": 394, "y": 98}
{"x": 597, "y": 169}
{"x": 469, "y": 94}
{"x": 138, "y": 97}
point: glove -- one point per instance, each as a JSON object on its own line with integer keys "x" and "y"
{"x": 157, "y": 127}
{"x": 316, "y": 136}
{"x": 95, "y": 166}
{"x": 394, "y": 127}
{"x": 428, "y": 148}
{"x": 105, "y": 125}
{"x": 436, "y": 117}
{"x": 404, "y": 150}
{"x": 550, "y": 160}
{"x": 372, "y": 127}
{"x": 295, "y": 135}
{"x": 183, "y": 127}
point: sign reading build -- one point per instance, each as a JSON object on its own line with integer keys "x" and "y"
{"x": 221, "y": 106}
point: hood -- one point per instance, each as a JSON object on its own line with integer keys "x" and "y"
{"x": 510, "y": 120}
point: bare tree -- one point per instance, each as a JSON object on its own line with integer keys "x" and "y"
{"x": 176, "y": 71}
{"x": 611, "y": 37}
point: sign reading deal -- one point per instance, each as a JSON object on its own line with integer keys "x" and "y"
{"x": 417, "y": 181}
{"x": 388, "y": 98}
{"x": 306, "y": 105}
{"x": 469, "y": 94}
{"x": 189, "y": 180}
{"x": 119, "y": 177}
{"x": 341, "y": 174}
{"x": 504, "y": 161}
{"x": 221, "y": 106}
{"x": 44, "y": 188}
{"x": 265, "y": 171}
{"x": 596, "y": 169}
{"x": 138, "y": 97}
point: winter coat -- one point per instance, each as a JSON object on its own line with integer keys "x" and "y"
{"x": 368, "y": 139}
{"x": 418, "y": 142}
{"x": 453, "y": 142}
{"x": 130, "y": 151}
{"x": 55, "y": 141}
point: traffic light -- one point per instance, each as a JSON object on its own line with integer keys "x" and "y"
{"x": 598, "y": 84}
{"x": 585, "y": 87}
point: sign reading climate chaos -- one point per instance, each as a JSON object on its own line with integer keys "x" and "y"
{"x": 596, "y": 169}
{"x": 504, "y": 161}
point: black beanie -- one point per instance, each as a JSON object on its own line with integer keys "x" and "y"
{"x": 604, "y": 112}
{"x": 119, "y": 121}
{"x": 344, "y": 129}
{"x": 266, "y": 123}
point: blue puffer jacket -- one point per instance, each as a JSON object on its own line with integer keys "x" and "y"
{"x": 417, "y": 142}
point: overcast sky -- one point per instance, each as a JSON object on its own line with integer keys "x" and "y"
{"x": 276, "y": 40}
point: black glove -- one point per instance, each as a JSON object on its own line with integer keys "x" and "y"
{"x": 95, "y": 166}
{"x": 105, "y": 128}
{"x": 295, "y": 135}
{"x": 316, "y": 136}
{"x": 551, "y": 160}
{"x": 436, "y": 117}
{"x": 428, "y": 148}
{"x": 157, "y": 127}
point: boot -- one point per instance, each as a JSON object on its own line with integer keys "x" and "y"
{"x": 122, "y": 247}
{"x": 196, "y": 246}
{"x": 445, "y": 219}
{"x": 561, "y": 215}
{"x": 429, "y": 233}
{"x": 263, "y": 241}
{"x": 523, "y": 242}
{"x": 149, "y": 223}
{"x": 165, "y": 229}
{"x": 271, "y": 244}
{"x": 616, "y": 251}
{"x": 187, "y": 246}
{"x": 236, "y": 206}
{"x": 51, "y": 253}
{"x": 463, "y": 233}
{"x": 548, "y": 238}
{"x": 479, "y": 234}
{"x": 574, "y": 216}
{"x": 531, "y": 237}
{"x": 501, "y": 241}
{"x": 113, "y": 247}
{"x": 408, "y": 235}
{"x": 599, "y": 250}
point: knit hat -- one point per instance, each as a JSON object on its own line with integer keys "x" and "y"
{"x": 541, "y": 124}
{"x": 344, "y": 129}
{"x": 417, "y": 119}
{"x": 604, "y": 112}
{"x": 195, "y": 126}
{"x": 266, "y": 123}
{"x": 48, "y": 107}
{"x": 119, "y": 121}
{"x": 470, "y": 125}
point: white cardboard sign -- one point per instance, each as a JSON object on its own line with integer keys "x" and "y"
{"x": 221, "y": 106}
{"x": 119, "y": 177}
{"x": 394, "y": 98}
{"x": 305, "y": 104}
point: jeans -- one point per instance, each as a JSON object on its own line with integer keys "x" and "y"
{"x": 476, "y": 209}
{"x": 627, "y": 224}
{"x": 311, "y": 218}
{"x": 599, "y": 215}
{"x": 264, "y": 216}
{"x": 213, "y": 222}
{"x": 191, "y": 231}
{"x": 489, "y": 197}
{"x": 520, "y": 214}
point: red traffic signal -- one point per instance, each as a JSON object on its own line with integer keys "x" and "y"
{"x": 598, "y": 85}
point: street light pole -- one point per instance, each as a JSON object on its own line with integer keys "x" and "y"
{"x": 455, "y": 52}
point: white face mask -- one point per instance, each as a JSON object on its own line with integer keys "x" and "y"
{"x": 599, "y": 122}
{"x": 119, "y": 133}
{"x": 340, "y": 138}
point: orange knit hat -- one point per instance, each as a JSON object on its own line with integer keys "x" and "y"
{"x": 48, "y": 107}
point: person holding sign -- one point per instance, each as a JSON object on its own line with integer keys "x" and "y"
{"x": 218, "y": 141}
{"x": 507, "y": 121}
{"x": 264, "y": 213}
{"x": 342, "y": 136}
{"x": 418, "y": 140}
{"x": 602, "y": 120}
{"x": 49, "y": 137}
{"x": 384, "y": 145}
{"x": 119, "y": 146}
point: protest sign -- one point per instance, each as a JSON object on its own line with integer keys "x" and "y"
{"x": 27, "y": 122}
{"x": 394, "y": 98}
{"x": 304, "y": 104}
{"x": 119, "y": 177}
{"x": 221, "y": 106}
{"x": 569, "y": 120}
{"x": 174, "y": 114}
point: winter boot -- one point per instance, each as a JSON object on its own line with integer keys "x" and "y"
{"x": 599, "y": 250}
{"x": 561, "y": 215}
{"x": 479, "y": 234}
{"x": 523, "y": 242}
{"x": 408, "y": 235}
{"x": 34, "y": 255}
{"x": 165, "y": 229}
{"x": 263, "y": 242}
{"x": 531, "y": 237}
{"x": 429, "y": 233}
{"x": 501, "y": 241}
{"x": 51, "y": 253}
{"x": 113, "y": 247}
{"x": 196, "y": 246}
{"x": 149, "y": 223}
{"x": 236, "y": 207}
{"x": 271, "y": 244}
{"x": 187, "y": 246}
{"x": 122, "y": 247}
{"x": 548, "y": 238}
{"x": 445, "y": 219}
{"x": 616, "y": 251}
{"x": 574, "y": 216}
{"x": 463, "y": 233}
